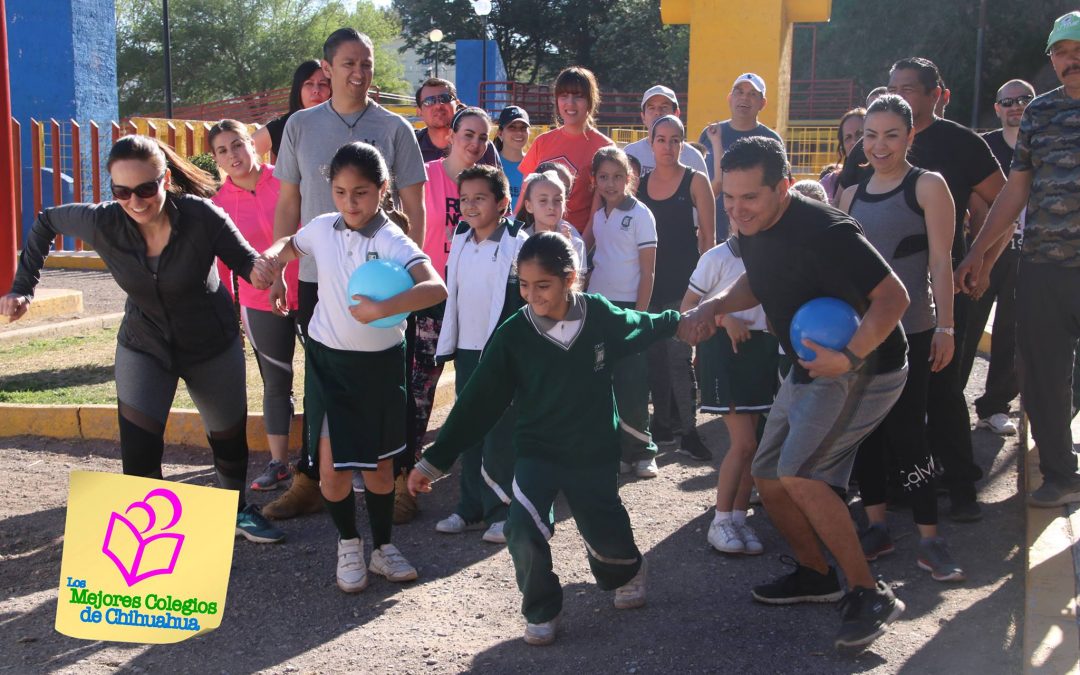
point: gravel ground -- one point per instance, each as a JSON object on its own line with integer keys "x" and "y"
{"x": 284, "y": 613}
{"x": 101, "y": 295}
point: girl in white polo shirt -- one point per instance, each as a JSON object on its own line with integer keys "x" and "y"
{"x": 483, "y": 292}
{"x": 624, "y": 262}
{"x": 737, "y": 377}
{"x": 544, "y": 199}
{"x": 354, "y": 393}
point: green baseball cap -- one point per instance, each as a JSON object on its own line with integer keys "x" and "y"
{"x": 1067, "y": 27}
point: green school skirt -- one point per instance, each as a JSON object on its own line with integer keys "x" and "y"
{"x": 737, "y": 383}
{"x": 361, "y": 396}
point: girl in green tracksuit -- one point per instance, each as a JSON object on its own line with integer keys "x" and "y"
{"x": 555, "y": 356}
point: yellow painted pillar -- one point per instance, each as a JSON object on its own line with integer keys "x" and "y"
{"x": 732, "y": 37}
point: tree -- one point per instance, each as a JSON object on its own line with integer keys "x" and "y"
{"x": 222, "y": 48}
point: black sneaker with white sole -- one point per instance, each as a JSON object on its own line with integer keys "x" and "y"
{"x": 802, "y": 585}
{"x": 693, "y": 445}
{"x": 864, "y": 613}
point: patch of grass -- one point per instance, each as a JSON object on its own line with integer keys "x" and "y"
{"x": 77, "y": 370}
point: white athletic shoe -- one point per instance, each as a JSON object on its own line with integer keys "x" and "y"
{"x": 387, "y": 561}
{"x": 999, "y": 423}
{"x": 632, "y": 593}
{"x": 724, "y": 537}
{"x": 351, "y": 572}
{"x": 452, "y": 524}
{"x": 494, "y": 534}
{"x": 751, "y": 543}
{"x": 646, "y": 468}
{"x": 540, "y": 634}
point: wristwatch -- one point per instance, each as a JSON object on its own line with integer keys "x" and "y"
{"x": 947, "y": 330}
{"x": 856, "y": 362}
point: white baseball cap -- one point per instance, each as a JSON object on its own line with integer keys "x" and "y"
{"x": 754, "y": 79}
{"x": 659, "y": 90}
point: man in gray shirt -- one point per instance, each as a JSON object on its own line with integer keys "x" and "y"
{"x": 310, "y": 139}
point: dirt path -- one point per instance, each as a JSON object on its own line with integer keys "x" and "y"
{"x": 284, "y": 613}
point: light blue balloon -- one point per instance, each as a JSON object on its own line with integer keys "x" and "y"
{"x": 379, "y": 280}
{"x": 827, "y": 321}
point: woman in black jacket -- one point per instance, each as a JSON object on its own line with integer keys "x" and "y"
{"x": 159, "y": 239}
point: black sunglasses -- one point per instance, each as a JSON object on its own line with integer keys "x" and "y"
{"x": 145, "y": 190}
{"x": 1010, "y": 102}
{"x": 436, "y": 99}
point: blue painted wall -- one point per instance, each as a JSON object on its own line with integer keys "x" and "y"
{"x": 470, "y": 59}
{"x": 62, "y": 55}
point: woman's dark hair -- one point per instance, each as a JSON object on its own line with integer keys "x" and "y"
{"x": 470, "y": 111}
{"x": 894, "y": 104}
{"x": 495, "y": 178}
{"x": 552, "y": 252}
{"x": 367, "y": 161}
{"x": 758, "y": 151}
{"x": 221, "y": 127}
{"x": 300, "y": 76}
{"x": 667, "y": 119}
{"x": 578, "y": 80}
{"x": 854, "y": 112}
{"x": 560, "y": 169}
{"x": 185, "y": 177}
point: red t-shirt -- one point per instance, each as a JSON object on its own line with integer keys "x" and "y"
{"x": 576, "y": 153}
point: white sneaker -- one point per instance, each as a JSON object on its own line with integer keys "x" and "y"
{"x": 625, "y": 467}
{"x": 387, "y": 561}
{"x": 751, "y": 543}
{"x": 452, "y": 524}
{"x": 494, "y": 534}
{"x": 646, "y": 468}
{"x": 632, "y": 593}
{"x": 724, "y": 537}
{"x": 999, "y": 423}
{"x": 541, "y": 634}
{"x": 351, "y": 572}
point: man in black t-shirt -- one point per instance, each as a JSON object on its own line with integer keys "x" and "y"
{"x": 962, "y": 157}
{"x": 795, "y": 250}
{"x": 436, "y": 103}
{"x": 992, "y": 408}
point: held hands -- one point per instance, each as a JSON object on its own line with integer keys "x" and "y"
{"x": 698, "y": 325}
{"x": 826, "y": 363}
{"x": 264, "y": 272}
{"x": 13, "y": 306}
{"x": 418, "y": 482}
{"x": 967, "y": 274}
{"x": 278, "y": 293}
{"x": 737, "y": 329}
{"x": 942, "y": 347}
{"x": 367, "y": 310}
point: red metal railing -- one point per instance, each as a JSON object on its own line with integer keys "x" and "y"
{"x": 821, "y": 99}
{"x": 617, "y": 108}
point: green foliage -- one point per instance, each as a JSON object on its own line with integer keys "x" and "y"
{"x": 865, "y": 38}
{"x": 205, "y": 161}
{"x": 222, "y": 48}
{"x": 622, "y": 41}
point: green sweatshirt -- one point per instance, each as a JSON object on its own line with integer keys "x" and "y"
{"x": 566, "y": 408}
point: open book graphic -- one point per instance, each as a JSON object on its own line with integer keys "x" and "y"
{"x": 143, "y": 553}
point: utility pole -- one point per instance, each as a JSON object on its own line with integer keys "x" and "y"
{"x": 168, "y": 59}
{"x": 979, "y": 40}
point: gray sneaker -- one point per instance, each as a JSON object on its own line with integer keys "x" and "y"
{"x": 934, "y": 557}
{"x": 876, "y": 542}
{"x": 1052, "y": 494}
{"x": 272, "y": 476}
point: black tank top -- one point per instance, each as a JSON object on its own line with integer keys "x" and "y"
{"x": 677, "y": 239}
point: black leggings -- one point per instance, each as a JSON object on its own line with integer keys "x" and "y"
{"x": 899, "y": 442}
{"x": 145, "y": 392}
{"x": 308, "y": 292}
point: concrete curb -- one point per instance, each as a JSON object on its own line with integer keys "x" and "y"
{"x": 62, "y": 328}
{"x": 75, "y": 260}
{"x": 1051, "y": 583}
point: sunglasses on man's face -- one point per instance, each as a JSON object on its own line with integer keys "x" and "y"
{"x": 436, "y": 99}
{"x": 144, "y": 190}
{"x": 1015, "y": 100}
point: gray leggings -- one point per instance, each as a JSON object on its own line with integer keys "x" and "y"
{"x": 217, "y": 386}
{"x": 273, "y": 338}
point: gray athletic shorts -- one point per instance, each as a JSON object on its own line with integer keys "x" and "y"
{"x": 814, "y": 429}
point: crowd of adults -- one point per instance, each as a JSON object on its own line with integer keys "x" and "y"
{"x": 922, "y": 226}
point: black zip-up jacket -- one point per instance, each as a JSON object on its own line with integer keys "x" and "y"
{"x": 181, "y": 314}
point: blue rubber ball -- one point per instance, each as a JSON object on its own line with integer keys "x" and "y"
{"x": 827, "y": 321}
{"x": 379, "y": 280}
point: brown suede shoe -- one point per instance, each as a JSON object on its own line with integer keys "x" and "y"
{"x": 302, "y": 497}
{"x": 405, "y": 505}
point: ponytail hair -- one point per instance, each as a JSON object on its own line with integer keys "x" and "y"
{"x": 367, "y": 161}
{"x": 186, "y": 178}
{"x": 553, "y": 253}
